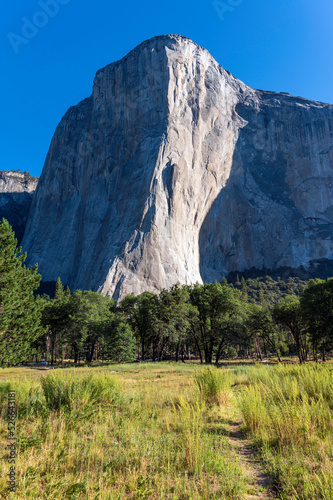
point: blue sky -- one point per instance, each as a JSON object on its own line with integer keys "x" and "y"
{"x": 280, "y": 45}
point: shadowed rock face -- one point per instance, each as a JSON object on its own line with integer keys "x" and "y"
{"x": 277, "y": 207}
{"x": 16, "y": 191}
{"x": 174, "y": 170}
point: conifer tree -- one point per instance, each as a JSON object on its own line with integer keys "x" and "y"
{"x": 20, "y": 311}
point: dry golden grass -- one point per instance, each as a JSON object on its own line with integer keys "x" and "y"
{"x": 153, "y": 441}
{"x": 162, "y": 431}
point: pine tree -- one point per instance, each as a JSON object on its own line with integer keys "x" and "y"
{"x": 244, "y": 289}
{"x": 20, "y": 311}
{"x": 119, "y": 342}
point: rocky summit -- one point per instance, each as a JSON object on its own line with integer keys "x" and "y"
{"x": 175, "y": 171}
{"x": 16, "y": 192}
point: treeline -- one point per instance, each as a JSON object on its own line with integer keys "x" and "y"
{"x": 253, "y": 318}
{"x": 19, "y": 174}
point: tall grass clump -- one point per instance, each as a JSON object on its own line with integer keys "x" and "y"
{"x": 63, "y": 392}
{"x": 29, "y": 398}
{"x": 160, "y": 440}
{"x": 288, "y": 411}
{"x": 214, "y": 385}
{"x": 191, "y": 416}
{"x": 205, "y": 455}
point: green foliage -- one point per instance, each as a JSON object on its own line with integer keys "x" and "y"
{"x": 176, "y": 316}
{"x": 18, "y": 174}
{"x": 288, "y": 313}
{"x": 214, "y": 321}
{"x": 87, "y": 311}
{"x": 268, "y": 291}
{"x": 219, "y": 316}
{"x": 119, "y": 342}
{"x": 20, "y": 311}
{"x": 76, "y": 322}
{"x": 55, "y": 318}
{"x": 317, "y": 312}
{"x": 261, "y": 324}
{"x": 142, "y": 314}
{"x": 254, "y": 317}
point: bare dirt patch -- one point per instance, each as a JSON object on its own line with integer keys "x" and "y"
{"x": 259, "y": 483}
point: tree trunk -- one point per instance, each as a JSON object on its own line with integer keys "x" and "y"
{"x": 199, "y": 350}
{"x": 278, "y": 355}
{"x": 161, "y": 352}
{"x": 142, "y": 350}
{"x": 259, "y": 356}
{"x": 154, "y": 349}
{"x": 206, "y": 355}
{"x": 265, "y": 350}
{"x": 177, "y": 352}
{"x": 218, "y": 352}
{"x": 188, "y": 353}
{"x": 305, "y": 352}
{"x": 315, "y": 354}
{"x": 90, "y": 353}
{"x": 272, "y": 343}
{"x": 299, "y": 350}
{"x": 52, "y": 353}
{"x": 277, "y": 351}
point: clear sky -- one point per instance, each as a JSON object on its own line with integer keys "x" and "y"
{"x": 51, "y": 50}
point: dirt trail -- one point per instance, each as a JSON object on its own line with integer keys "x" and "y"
{"x": 260, "y": 483}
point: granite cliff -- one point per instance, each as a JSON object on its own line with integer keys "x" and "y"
{"x": 175, "y": 171}
{"x": 16, "y": 192}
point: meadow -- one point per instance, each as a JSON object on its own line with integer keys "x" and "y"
{"x": 170, "y": 431}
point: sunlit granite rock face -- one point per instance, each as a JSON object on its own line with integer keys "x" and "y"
{"x": 16, "y": 190}
{"x": 175, "y": 171}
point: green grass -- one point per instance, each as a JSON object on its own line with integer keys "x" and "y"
{"x": 63, "y": 392}
{"x": 160, "y": 431}
{"x": 214, "y": 385}
{"x": 126, "y": 432}
{"x": 287, "y": 411}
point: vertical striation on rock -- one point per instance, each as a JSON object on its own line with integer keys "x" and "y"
{"x": 280, "y": 190}
{"x": 16, "y": 191}
{"x": 175, "y": 171}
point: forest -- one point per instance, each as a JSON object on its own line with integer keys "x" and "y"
{"x": 252, "y": 319}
